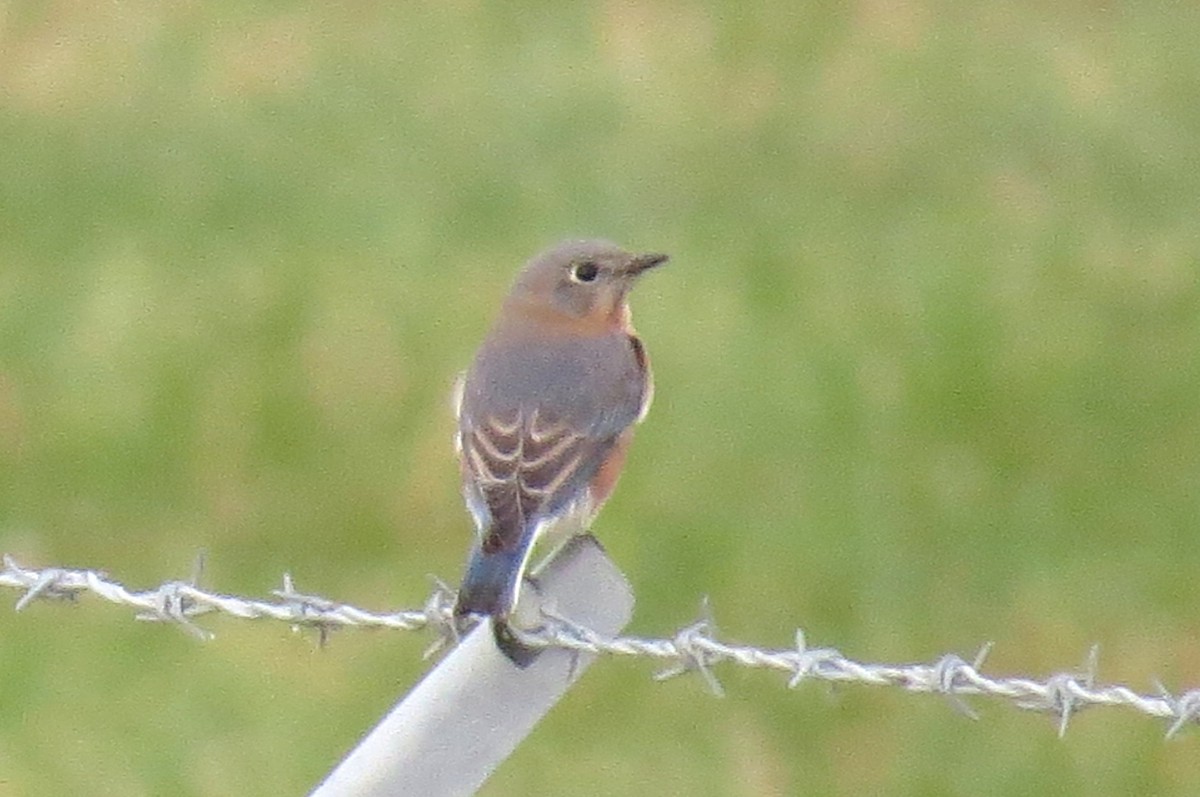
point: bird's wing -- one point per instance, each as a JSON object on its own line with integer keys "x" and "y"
{"x": 643, "y": 364}
{"x": 525, "y": 467}
{"x": 529, "y": 454}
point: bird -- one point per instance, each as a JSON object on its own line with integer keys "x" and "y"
{"x": 545, "y": 414}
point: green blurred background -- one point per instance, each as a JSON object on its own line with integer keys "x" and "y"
{"x": 928, "y": 359}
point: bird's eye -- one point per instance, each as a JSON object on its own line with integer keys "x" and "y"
{"x": 587, "y": 271}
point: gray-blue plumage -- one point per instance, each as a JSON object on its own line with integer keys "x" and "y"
{"x": 545, "y": 410}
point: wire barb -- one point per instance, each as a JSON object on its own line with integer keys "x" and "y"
{"x": 809, "y": 662}
{"x": 694, "y": 648}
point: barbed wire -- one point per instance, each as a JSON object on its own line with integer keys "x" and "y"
{"x": 695, "y": 648}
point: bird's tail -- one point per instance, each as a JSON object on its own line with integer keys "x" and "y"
{"x": 490, "y": 584}
{"x": 490, "y": 587}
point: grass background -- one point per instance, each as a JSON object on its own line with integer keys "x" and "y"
{"x": 927, "y": 359}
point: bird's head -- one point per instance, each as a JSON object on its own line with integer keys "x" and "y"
{"x": 584, "y": 280}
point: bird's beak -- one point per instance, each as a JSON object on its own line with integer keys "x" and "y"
{"x": 645, "y": 262}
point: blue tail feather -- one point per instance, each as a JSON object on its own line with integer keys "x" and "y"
{"x": 490, "y": 588}
{"x": 490, "y": 584}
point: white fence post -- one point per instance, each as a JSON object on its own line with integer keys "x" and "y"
{"x": 467, "y": 715}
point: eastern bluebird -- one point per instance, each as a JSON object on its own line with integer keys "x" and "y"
{"x": 545, "y": 415}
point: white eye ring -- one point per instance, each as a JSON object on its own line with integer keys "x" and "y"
{"x": 584, "y": 272}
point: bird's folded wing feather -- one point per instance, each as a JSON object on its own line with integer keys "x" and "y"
{"x": 524, "y": 467}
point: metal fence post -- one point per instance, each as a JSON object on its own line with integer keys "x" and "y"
{"x": 468, "y": 714}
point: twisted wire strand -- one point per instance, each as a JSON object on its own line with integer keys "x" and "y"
{"x": 695, "y": 648}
